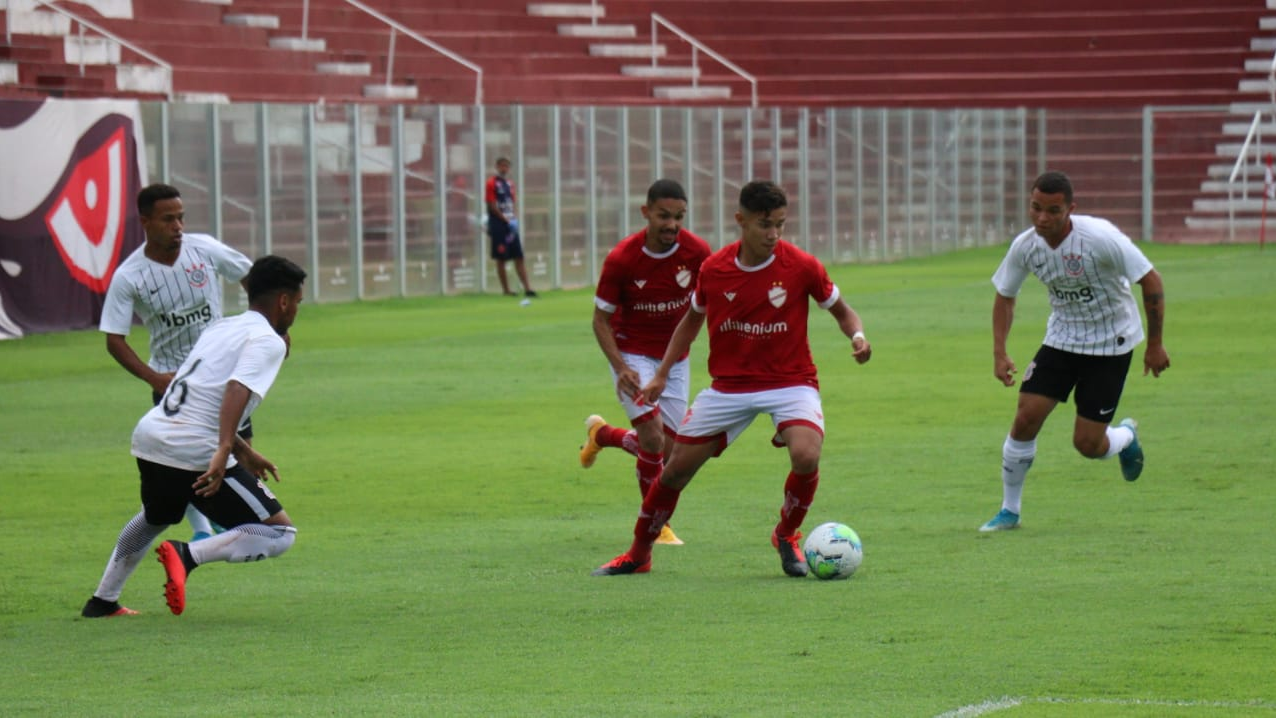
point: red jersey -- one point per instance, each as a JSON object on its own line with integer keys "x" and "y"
{"x": 647, "y": 294}
{"x": 757, "y": 317}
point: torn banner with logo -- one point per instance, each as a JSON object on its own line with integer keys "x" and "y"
{"x": 70, "y": 171}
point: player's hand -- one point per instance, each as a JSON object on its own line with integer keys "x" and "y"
{"x": 650, "y": 394}
{"x": 210, "y": 482}
{"x": 863, "y": 350}
{"x": 257, "y": 465}
{"x": 1004, "y": 369}
{"x": 628, "y": 383}
{"x": 161, "y": 382}
{"x": 1155, "y": 360}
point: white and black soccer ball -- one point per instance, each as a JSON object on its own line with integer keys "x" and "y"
{"x": 833, "y": 551}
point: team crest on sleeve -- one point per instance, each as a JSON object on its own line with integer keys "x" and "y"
{"x": 197, "y": 275}
{"x": 1072, "y": 265}
{"x": 683, "y": 277}
{"x": 777, "y": 295}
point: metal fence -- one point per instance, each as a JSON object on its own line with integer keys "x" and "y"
{"x": 387, "y": 200}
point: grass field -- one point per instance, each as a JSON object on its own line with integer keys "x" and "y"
{"x": 446, "y": 530}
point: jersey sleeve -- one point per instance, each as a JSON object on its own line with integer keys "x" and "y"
{"x": 230, "y": 262}
{"x": 490, "y": 193}
{"x": 259, "y": 363}
{"x": 1130, "y": 260}
{"x": 117, "y": 308}
{"x": 607, "y": 294}
{"x": 1009, "y": 277}
{"x": 823, "y": 290}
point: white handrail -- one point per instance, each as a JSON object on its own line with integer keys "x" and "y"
{"x": 658, "y": 19}
{"x": 107, "y": 33}
{"x": 396, "y": 25}
{"x": 1254, "y": 135}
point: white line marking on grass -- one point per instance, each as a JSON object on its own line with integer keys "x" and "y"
{"x": 979, "y": 709}
{"x": 999, "y": 704}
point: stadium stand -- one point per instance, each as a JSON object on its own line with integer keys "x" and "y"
{"x": 917, "y": 53}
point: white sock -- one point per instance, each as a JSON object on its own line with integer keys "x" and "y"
{"x": 246, "y": 542}
{"x": 199, "y": 522}
{"x": 1016, "y": 459}
{"x": 1119, "y": 437}
{"x": 131, "y": 547}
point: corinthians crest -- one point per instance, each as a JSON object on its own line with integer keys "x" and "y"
{"x": 1072, "y": 265}
{"x": 777, "y": 295}
{"x": 196, "y": 275}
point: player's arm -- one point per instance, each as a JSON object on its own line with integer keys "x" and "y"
{"x": 679, "y": 344}
{"x": 851, "y": 325}
{"x": 234, "y": 401}
{"x": 626, "y": 378}
{"x": 1003, "y": 315}
{"x": 118, "y": 347}
{"x": 1155, "y": 358}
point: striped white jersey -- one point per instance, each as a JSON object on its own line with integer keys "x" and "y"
{"x": 182, "y": 429}
{"x": 175, "y": 303}
{"x": 1088, "y": 279}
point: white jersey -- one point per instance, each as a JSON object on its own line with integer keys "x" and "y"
{"x": 176, "y": 302}
{"x": 1088, "y": 278}
{"x": 182, "y": 430}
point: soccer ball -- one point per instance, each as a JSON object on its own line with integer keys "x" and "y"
{"x": 833, "y": 550}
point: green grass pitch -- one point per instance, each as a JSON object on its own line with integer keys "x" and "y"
{"x": 446, "y": 530}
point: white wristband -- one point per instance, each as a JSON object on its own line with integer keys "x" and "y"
{"x": 857, "y": 335}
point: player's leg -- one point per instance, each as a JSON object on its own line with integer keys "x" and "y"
{"x": 716, "y": 420}
{"x": 1097, "y": 396}
{"x": 496, "y": 237}
{"x": 1047, "y": 381}
{"x": 257, "y": 528}
{"x": 658, "y": 507}
{"x": 164, "y": 500}
{"x": 799, "y": 421}
{"x": 647, "y": 433}
{"x": 503, "y": 277}
{"x": 514, "y": 251}
{"x": 521, "y": 268}
{"x": 201, "y": 527}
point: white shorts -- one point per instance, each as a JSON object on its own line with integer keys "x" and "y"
{"x": 721, "y": 417}
{"x": 673, "y": 402}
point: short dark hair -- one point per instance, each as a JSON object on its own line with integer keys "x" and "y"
{"x": 151, "y": 194}
{"x": 1054, "y": 182}
{"x": 763, "y": 197}
{"x": 665, "y": 189}
{"x": 271, "y": 274}
{"x": 499, "y": 160}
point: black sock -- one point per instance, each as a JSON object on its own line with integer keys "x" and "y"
{"x": 184, "y": 550}
{"x": 98, "y": 607}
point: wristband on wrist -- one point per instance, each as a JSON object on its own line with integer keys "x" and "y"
{"x": 857, "y": 335}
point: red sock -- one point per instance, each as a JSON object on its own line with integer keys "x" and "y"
{"x": 657, "y": 507}
{"x": 612, "y": 436}
{"x": 799, "y": 491}
{"x": 649, "y": 468}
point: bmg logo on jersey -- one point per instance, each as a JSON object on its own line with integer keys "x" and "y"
{"x": 197, "y": 275}
{"x": 203, "y": 315}
{"x": 1085, "y": 295}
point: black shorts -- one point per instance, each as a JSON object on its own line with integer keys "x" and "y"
{"x": 506, "y": 244}
{"x": 1098, "y": 380}
{"x": 245, "y": 429}
{"x": 242, "y": 498}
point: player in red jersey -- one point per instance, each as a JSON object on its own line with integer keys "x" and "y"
{"x": 753, "y": 295}
{"x": 644, "y": 290}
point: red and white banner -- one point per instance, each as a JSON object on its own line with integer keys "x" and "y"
{"x": 70, "y": 171}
